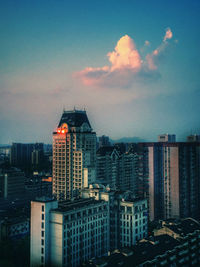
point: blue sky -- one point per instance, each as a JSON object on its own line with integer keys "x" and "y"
{"x": 54, "y": 54}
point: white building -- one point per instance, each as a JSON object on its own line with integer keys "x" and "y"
{"x": 68, "y": 234}
{"x": 128, "y": 216}
{"x": 74, "y": 154}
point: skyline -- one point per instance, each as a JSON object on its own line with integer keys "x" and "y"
{"x": 133, "y": 65}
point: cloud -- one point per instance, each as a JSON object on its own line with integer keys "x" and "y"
{"x": 168, "y": 34}
{"x": 125, "y": 55}
{"x": 126, "y": 65}
{"x": 147, "y": 43}
{"x": 152, "y": 59}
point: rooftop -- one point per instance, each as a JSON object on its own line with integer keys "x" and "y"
{"x": 184, "y": 226}
{"x": 74, "y": 118}
{"x": 76, "y": 204}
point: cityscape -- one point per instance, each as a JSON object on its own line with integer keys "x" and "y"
{"x": 100, "y": 133}
{"x": 86, "y": 201}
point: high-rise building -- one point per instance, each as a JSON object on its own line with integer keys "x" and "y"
{"x": 74, "y": 154}
{"x": 174, "y": 175}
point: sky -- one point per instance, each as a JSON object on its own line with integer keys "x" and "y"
{"x": 133, "y": 65}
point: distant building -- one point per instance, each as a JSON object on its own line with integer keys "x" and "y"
{"x": 68, "y": 234}
{"x": 123, "y": 170}
{"x": 193, "y": 138}
{"x": 26, "y": 156}
{"x": 12, "y": 183}
{"x": 107, "y": 165}
{"x": 167, "y": 138}
{"x": 74, "y": 154}
{"x": 104, "y": 141}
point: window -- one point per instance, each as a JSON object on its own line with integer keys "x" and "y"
{"x": 42, "y": 233}
{"x": 42, "y": 259}
{"x": 42, "y": 250}
{"x": 42, "y": 216}
{"x": 42, "y": 207}
{"x": 42, "y": 242}
{"x": 42, "y": 225}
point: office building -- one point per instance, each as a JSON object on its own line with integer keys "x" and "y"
{"x": 74, "y": 154}
{"x": 70, "y": 233}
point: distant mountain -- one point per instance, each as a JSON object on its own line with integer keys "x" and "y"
{"x": 128, "y": 140}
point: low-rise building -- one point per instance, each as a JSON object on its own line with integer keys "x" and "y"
{"x": 164, "y": 249}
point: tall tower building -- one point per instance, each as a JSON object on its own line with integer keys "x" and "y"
{"x": 74, "y": 154}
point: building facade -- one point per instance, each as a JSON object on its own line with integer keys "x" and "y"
{"x": 174, "y": 175}
{"x": 68, "y": 234}
{"x": 128, "y": 215}
{"x": 124, "y": 170}
{"x": 74, "y": 154}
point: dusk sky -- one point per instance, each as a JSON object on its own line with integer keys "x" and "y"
{"x": 133, "y": 65}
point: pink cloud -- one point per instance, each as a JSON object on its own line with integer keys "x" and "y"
{"x": 168, "y": 34}
{"x": 153, "y": 58}
{"x": 125, "y": 55}
{"x": 126, "y": 65}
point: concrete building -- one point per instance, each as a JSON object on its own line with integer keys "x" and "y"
{"x": 70, "y": 233}
{"x": 174, "y": 175}
{"x": 74, "y": 154}
{"x": 128, "y": 215}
